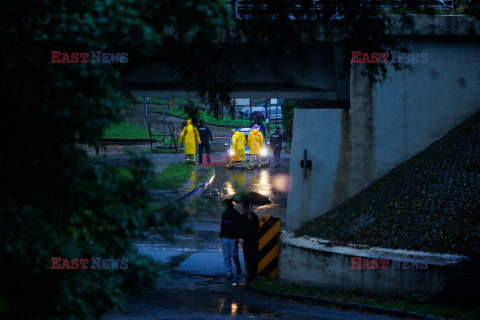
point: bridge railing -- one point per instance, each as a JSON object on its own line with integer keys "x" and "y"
{"x": 242, "y": 9}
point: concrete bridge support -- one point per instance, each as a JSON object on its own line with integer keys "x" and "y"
{"x": 362, "y": 130}
{"x": 341, "y": 145}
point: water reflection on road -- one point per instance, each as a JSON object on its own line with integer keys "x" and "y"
{"x": 270, "y": 182}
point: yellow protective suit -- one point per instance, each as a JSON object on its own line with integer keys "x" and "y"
{"x": 255, "y": 141}
{"x": 190, "y": 134}
{"x": 239, "y": 143}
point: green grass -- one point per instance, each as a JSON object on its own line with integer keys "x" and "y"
{"x": 124, "y": 130}
{"x": 413, "y": 304}
{"x": 125, "y": 173}
{"x": 173, "y": 176}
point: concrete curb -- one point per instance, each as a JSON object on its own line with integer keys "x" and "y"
{"x": 186, "y": 194}
{"x": 342, "y": 305}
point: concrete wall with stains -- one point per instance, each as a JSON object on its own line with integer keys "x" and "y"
{"x": 386, "y": 124}
{"x": 417, "y": 107}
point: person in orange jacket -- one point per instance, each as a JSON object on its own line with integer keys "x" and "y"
{"x": 190, "y": 134}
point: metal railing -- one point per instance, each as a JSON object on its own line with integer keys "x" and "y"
{"x": 172, "y": 144}
{"x": 242, "y": 9}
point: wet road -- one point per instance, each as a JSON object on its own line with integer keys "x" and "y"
{"x": 193, "y": 297}
{"x": 195, "y": 286}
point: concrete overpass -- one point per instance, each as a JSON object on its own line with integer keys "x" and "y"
{"x": 257, "y": 74}
{"x": 382, "y": 125}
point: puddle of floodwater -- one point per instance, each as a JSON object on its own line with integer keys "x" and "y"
{"x": 271, "y": 184}
{"x": 233, "y": 307}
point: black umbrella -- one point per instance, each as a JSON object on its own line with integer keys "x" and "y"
{"x": 250, "y": 197}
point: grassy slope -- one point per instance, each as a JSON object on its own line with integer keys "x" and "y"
{"x": 171, "y": 178}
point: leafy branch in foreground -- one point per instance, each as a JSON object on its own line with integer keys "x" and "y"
{"x": 53, "y": 202}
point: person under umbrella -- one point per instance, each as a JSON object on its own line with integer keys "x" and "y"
{"x": 229, "y": 234}
{"x": 250, "y": 229}
{"x": 250, "y": 236}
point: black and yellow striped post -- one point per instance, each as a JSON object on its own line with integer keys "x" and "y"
{"x": 269, "y": 247}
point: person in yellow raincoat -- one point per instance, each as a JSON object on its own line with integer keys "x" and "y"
{"x": 255, "y": 143}
{"x": 190, "y": 134}
{"x": 239, "y": 143}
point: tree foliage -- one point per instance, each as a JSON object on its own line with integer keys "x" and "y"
{"x": 471, "y": 8}
{"x": 54, "y": 203}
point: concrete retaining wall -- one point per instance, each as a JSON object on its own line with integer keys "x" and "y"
{"x": 310, "y": 262}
